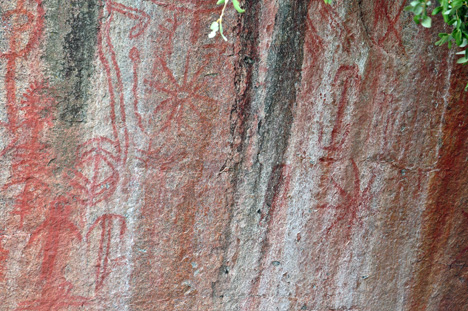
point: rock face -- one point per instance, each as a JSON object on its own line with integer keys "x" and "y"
{"x": 316, "y": 161}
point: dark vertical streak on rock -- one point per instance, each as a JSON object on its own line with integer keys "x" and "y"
{"x": 285, "y": 60}
{"x": 70, "y": 52}
{"x": 244, "y": 84}
{"x": 267, "y": 131}
{"x": 240, "y": 115}
{"x": 69, "y": 55}
{"x": 79, "y": 45}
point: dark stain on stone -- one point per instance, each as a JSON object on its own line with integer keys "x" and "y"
{"x": 79, "y": 50}
{"x": 285, "y": 60}
{"x": 240, "y": 114}
{"x": 264, "y": 178}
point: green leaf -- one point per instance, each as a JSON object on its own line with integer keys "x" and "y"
{"x": 451, "y": 22}
{"x": 458, "y": 37}
{"x": 418, "y": 10}
{"x": 220, "y": 2}
{"x": 437, "y": 10}
{"x": 409, "y": 8}
{"x": 236, "y": 5}
{"x": 414, "y": 3}
{"x": 221, "y": 31}
{"x": 427, "y": 22}
{"x": 462, "y": 60}
{"x": 464, "y": 43}
{"x": 444, "y": 38}
{"x": 214, "y": 26}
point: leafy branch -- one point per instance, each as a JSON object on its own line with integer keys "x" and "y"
{"x": 218, "y": 25}
{"x": 455, "y": 14}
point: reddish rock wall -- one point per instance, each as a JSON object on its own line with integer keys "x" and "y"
{"x": 316, "y": 161}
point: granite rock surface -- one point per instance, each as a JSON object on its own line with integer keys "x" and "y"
{"x": 318, "y": 160}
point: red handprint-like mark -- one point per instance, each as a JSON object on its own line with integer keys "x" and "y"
{"x": 351, "y": 202}
{"x": 107, "y": 222}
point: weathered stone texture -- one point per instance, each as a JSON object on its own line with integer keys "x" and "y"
{"x": 316, "y": 161}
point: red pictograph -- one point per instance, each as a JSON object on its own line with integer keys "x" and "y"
{"x": 194, "y": 8}
{"x": 104, "y": 263}
{"x": 58, "y": 199}
{"x": 169, "y": 33}
{"x": 135, "y": 58}
{"x": 386, "y": 18}
{"x": 56, "y": 232}
{"x": 141, "y": 17}
{"x": 54, "y": 297}
{"x": 31, "y": 165}
{"x": 346, "y": 82}
{"x": 3, "y": 258}
{"x": 462, "y": 256}
{"x": 181, "y": 94}
{"x": 313, "y": 43}
{"x": 96, "y": 175}
{"x": 33, "y": 178}
{"x": 54, "y": 236}
{"x": 191, "y": 6}
{"x": 16, "y": 24}
{"x": 351, "y": 201}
